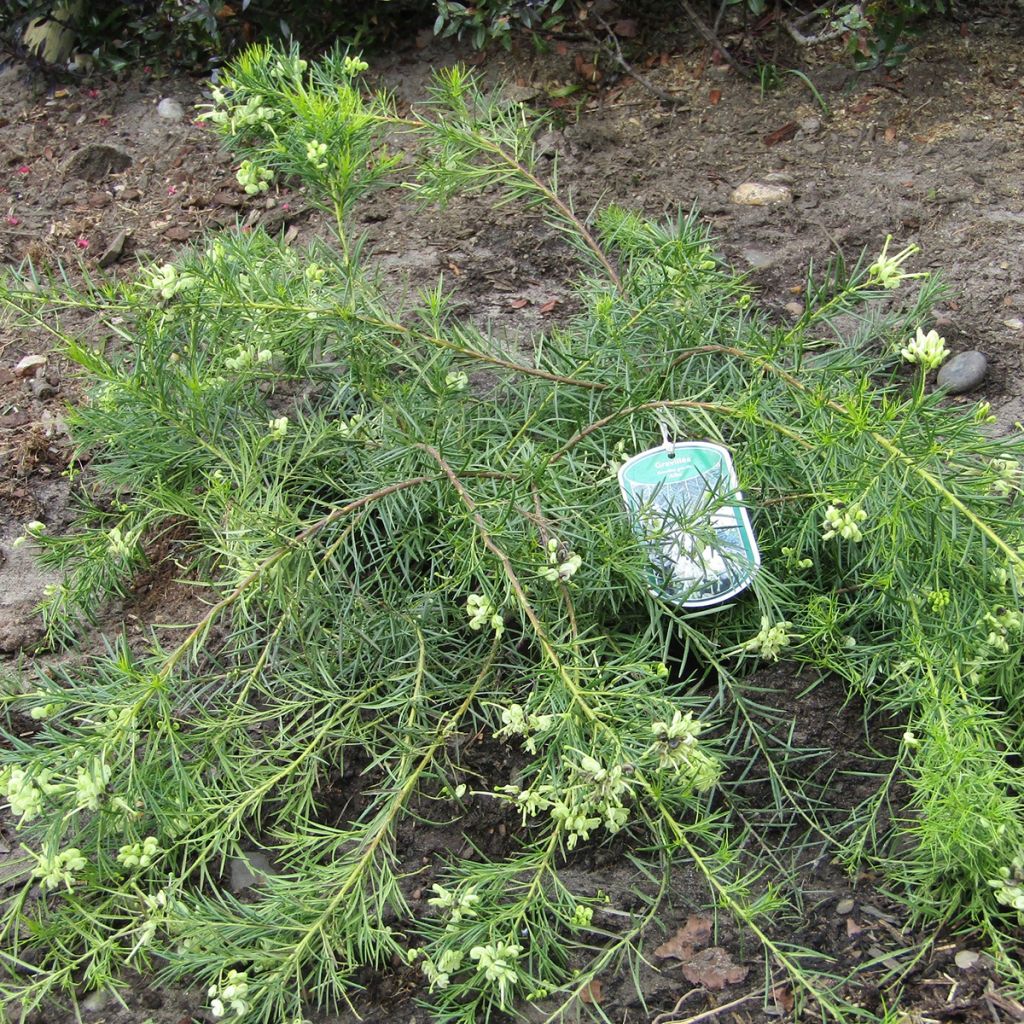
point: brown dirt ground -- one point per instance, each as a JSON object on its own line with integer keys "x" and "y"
{"x": 930, "y": 153}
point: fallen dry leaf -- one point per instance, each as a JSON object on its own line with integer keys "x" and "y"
{"x": 625, "y": 28}
{"x": 591, "y": 992}
{"x": 695, "y": 933}
{"x": 587, "y": 70}
{"x": 852, "y": 928}
{"x": 549, "y": 306}
{"x": 714, "y": 969}
{"x": 783, "y": 134}
{"x": 519, "y": 303}
{"x": 783, "y": 996}
{"x": 890, "y": 134}
{"x": 715, "y": 97}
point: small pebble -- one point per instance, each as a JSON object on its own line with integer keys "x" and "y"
{"x": 844, "y": 906}
{"x": 29, "y": 365}
{"x": 250, "y": 871}
{"x": 963, "y": 372}
{"x": 42, "y": 388}
{"x": 754, "y": 193}
{"x": 170, "y": 110}
{"x": 966, "y": 958}
{"x": 794, "y": 309}
{"x": 94, "y": 1002}
{"x": 1014, "y": 323}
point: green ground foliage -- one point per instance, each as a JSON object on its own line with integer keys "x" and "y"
{"x": 426, "y": 606}
{"x": 190, "y": 32}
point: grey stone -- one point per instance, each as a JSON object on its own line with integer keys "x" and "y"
{"x": 97, "y": 160}
{"x": 758, "y": 258}
{"x": 42, "y": 388}
{"x": 520, "y": 93}
{"x": 170, "y": 109}
{"x": 550, "y": 144}
{"x": 250, "y": 871}
{"x": 113, "y": 252}
{"x": 844, "y": 906}
{"x": 963, "y": 372}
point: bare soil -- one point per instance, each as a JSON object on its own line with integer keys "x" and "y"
{"x": 929, "y": 153}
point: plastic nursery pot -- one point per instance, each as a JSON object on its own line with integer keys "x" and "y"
{"x": 684, "y": 501}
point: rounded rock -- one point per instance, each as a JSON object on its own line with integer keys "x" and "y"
{"x": 963, "y": 372}
{"x": 170, "y": 109}
{"x": 756, "y": 193}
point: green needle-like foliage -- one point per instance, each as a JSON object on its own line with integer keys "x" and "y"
{"x": 372, "y": 500}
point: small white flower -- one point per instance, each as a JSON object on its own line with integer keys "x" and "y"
{"x": 887, "y": 270}
{"x": 315, "y": 153}
{"x": 910, "y": 739}
{"x": 497, "y": 962}
{"x": 91, "y": 784}
{"x": 139, "y": 855}
{"x": 32, "y": 529}
{"x": 231, "y": 994}
{"x": 352, "y": 426}
{"x": 927, "y": 350}
{"x": 456, "y": 381}
{"x": 278, "y": 428}
{"x": 119, "y": 545}
{"x": 253, "y": 178}
{"x": 352, "y": 66}
{"x": 23, "y": 794}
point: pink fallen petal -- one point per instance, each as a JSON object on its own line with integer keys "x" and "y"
{"x": 82, "y": 243}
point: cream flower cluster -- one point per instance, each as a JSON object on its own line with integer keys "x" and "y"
{"x": 231, "y": 995}
{"x": 482, "y": 612}
{"x": 497, "y": 962}
{"x": 771, "y": 639}
{"x": 926, "y": 350}
{"x": 167, "y": 281}
{"x": 517, "y": 722}
{"x": 139, "y": 855}
{"x": 253, "y": 178}
{"x": 57, "y": 869}
{"x": 559, "y": 568}
{"x": 844, "y": 521}
{"x": 678, "y": 750}
{"x": 887, "y": 271}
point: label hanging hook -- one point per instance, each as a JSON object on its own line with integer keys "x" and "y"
{"x": 666, "y": 442}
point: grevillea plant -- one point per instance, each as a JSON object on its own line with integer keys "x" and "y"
{"x": 424, "y": 613}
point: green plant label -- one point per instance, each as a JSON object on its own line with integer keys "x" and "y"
{"x": 685, "y": 504}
